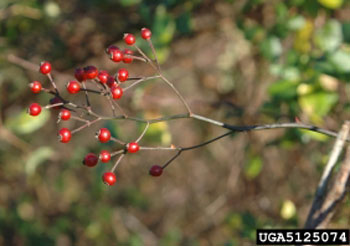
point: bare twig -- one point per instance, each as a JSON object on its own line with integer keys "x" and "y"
{"x": 311, "y": 221}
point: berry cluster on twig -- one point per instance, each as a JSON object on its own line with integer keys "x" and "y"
{"x": 113, "y": 87}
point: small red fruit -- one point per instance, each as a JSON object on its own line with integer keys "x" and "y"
{"x": 105, "y": 156}
{"x": 103, "y": 76}
{"x": 64, "y": 135}
{"x": 111, "y": 48}
{"x": 91, "y": 72}
{"x": 109, "y": 178}
{"x": 127, "y": 59}
{"x": 45, "y": 67}
{"x": 117, "y": 92}
{"x": 73, "y": 87}
{"x": 64, "y": 114}
{"x": 146, "y": 33}
{"x": 80, "y": 75}
{"x": 90, "y": 160}
{"x": 111, "y": 82}
{"x": 56, "y": 100}
{"x": 156, "y": 170}
{"x": 123, "y": 75}
{"x": 133, "y": 147}
{"x": 104, "y": 135}
{"x": 34, "y": 109}
{"x": 116, "y": 55}
{"x": 129, "y": 38}
{"x": 35, "y": 86}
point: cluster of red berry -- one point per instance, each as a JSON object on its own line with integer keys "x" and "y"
{"x": 110, "y": 86}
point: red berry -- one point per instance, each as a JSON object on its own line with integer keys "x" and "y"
{"x": 146, "y": 33}
{"x": 129, "y": 38}
{"x": 105, "y": 156}
{"x": 109, "y": 178}
{"x": 34, "y": 109}
{"x": 116, "y": 55}
{"x": 156, "y": 170}
{"x": 111, "y": 48}
{"x": 64, "y": 135}
{"x": 111, "y": 82}
{"x": 117, "y": 92}
{"x": 45, "y": 67}
{"x": 64, "y": 114}
{"x": 56, "y": 100}
{"x": 80, "y": 75}
{"x": 133, "y": 147}
{"x": 123, "y": 74}
{"x": 73, "y": 87}
{"x": 104, "y": 135}
{"x": 127, "y": 59}
{"x": 91, "y": 72}
{"x": 103, "y": 76}
{"x": 90, "y": 160}
{"x": 35, "y": 86}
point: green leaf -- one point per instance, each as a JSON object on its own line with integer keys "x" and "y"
{"x": 23, "y": 123}
{"x": 253, "y": 168}
{"x": 318, "y": 104}
{"x": 330, "y": 36}
{"x": 127, "y": 3}
{"x": 284, "y": 89}
{"x": 340, "y": 59}
{"x": 331, "y": 4}
{"x": 296, "y": 23}
{"x": 36, "y": 158}
{"x": 163, "y": 26}
{"x": 271, "y": 47}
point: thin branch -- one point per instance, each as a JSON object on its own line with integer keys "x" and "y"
{"x": 143, "y": 133}
{"x": 321, "y": 188}
{"x": 88, "y": 124}
{"x": 117, "y": 162}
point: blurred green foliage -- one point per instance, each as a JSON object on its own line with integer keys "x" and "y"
{"x": 46, "y": 198}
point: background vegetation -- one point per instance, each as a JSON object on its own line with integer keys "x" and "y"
{"x": 243, "y": 62}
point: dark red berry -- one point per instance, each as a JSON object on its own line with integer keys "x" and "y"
{"x": 133, "y": 147}
{"x": 104, "y": 135}
{"x": 90, "y": 160}
{"x": 111, "y": 48}
{"x": 35, "y": 86}
{"x": 91, "y": 72}
{"x": 109, "y": 178}
{"x": 129, "y": 38}
{"x": 117, "y": 92}
{"x": 73, "y": 87}
{"x": 64, "y": 114}
{"x": 156, "y": 170}
{"x": 111, "y": 82}
{"x": 126, "y": 58}
{"x": 146, "y": 33}
{"x": 80, "y": 75}
{"x": 116, "y": 55}
{"x": 56, "y": 100}
{"x": 103, "y": 76}
{"x": 34, "y": 109}
{"x": 105, "y": 156}
{"x": 64, "y": 135}
{"x": 45, "y": 67}
{"x": 123, "y": 75}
